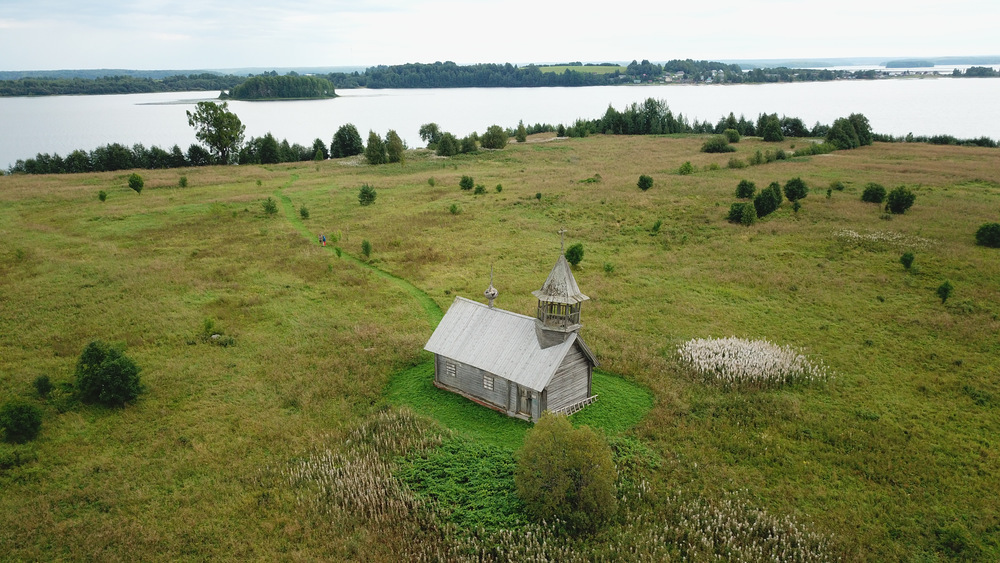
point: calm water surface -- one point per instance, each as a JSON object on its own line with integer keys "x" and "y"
{"x": 924, "y": 106}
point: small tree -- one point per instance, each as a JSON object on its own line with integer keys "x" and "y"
{"x": 366, "y": 248}
{"x": 745, "y": 189}
{"x": 466, "y": 183}
{"x": 366, "y": 195}
{"x": 346, "y": 142}
{"x": 645, "y": 182}
{"x": 135, "y": 182}
{"x": 944, "y": 291}
{"x": 494, "y": 138}
{"x": 732, "y": 135}
{"x": 394, "y": 147}
{"x": 899, "y": 200}
{"x": 574, "y": 254}
{"x": 270, "y": 206}
{"x": 447, "y": 145}
{"x": 796, "y": 189}
{"x": 218, "y": 128}
{"x": 686, "y": 168}
{"x": 304, "y": 212}
{"x": 873, "y": 193}
{"x": 105, "y": 375}
{"x": 522, "y": 133}
{"x": 430, "y": 133}
{"x": 906, "y": 260}
{"x": 20, "y": 421}
{"x": 988, "y": 235}
{"x": 375, "y": 152}
{"x": 102, "y": 195}
{"x": 566, "y": 473}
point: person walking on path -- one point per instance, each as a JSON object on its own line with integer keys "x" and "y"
{"x": 322, "y": 239}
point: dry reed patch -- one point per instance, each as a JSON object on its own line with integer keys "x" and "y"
{"x": 737, "y": 362}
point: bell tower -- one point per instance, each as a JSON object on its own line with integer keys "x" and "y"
{"x": 559, "y": 301}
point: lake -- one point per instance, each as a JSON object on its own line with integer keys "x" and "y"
{"x": 962, "y": 107}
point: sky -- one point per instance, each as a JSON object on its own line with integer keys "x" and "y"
{"x": 208, "y": 34}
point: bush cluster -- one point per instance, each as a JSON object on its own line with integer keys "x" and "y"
{"x": 988, "y": 235}
{"x": 873, "y": 193}
{"x": 743, "y": 213}
{"x": 20, "y": 421}
{"x": 106, "y": 375}
{"x": 899, "y": 200}
{"x": 716, "y": 144}
{"x": 645, "y": 182}
{"x": 768, "y": 200}
{"x": 745, "y": 189}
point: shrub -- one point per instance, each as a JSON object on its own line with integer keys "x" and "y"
{"x": 102, "y": 195}
{"x": 480, "y": 189}
{"x": 757, "y": 158}
{"x": 135, "y": 182}
{"x": 736, "y": 163}
{"x": 900, "y": 199}
{"x": 366, "y": 195}
{"x": 645, "y": 182}
{"x": 20, "y": 421}
{"x": 366, "y": 248}
{"x": 745, "y": 189}
{"x": 182, "y": 182}
{"x": 686, "y": 168}
{"x": 873, "y": 193}
{"x": 743, "y": 213}
{"x": 105, "y": 375}
{"x": 944, "y": 291}
{"x": 494, "y": 138}
{"x": 906, "y": 260}
{"x": 780, "y": 154}
{"x": 574, "y": 254}
{"x": 499, "y": 188}
{"x": 270, "y": 206}
{"x": 566, "y": 474}
{"x": 837, "y": 185}
{"x": 732, "y": 135}
{"x": 609, "y": 268}
{"x": 796, "y": 189}
{"x": 768, "y": 200}
{"x": 538, "y": 196}
{"x": 304, "y": 212}
{"x": 431, "y": 181}
{"x": 466, "y": 183}
{"x": 454, "y": 210}
{"x": 656, "y": 226}
{"x": 43, "y": 386}
{"x": 988, "y": 235}
{"x": 717, "y": 143}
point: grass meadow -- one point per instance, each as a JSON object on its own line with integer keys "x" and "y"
{"x": 248, "y": 451}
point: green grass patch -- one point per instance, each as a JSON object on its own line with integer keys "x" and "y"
{"x": 621, "y": 405}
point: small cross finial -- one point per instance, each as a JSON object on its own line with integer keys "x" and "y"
{"x": 562, "y": 242}
{"x": 491, "y": 292}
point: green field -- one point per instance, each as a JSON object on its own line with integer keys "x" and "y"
{"x": 587, "y": 69}
{"x": 894, "y": 458}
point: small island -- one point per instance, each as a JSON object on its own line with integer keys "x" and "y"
{"x": 291, "y": 86}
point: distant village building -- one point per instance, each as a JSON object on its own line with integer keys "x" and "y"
{"x": 513, "y": 363}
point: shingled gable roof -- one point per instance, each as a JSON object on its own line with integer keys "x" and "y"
{"x": 560, "y": 286}
{"x": 500, "y": 342}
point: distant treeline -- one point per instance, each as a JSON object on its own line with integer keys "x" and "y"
{"x": 651, "y": 117}
{"x": 451, "y": 75}
{"x": 117, "y": 85}
{"x": 976, "y": 72}
{"x": 274, "y": 87}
